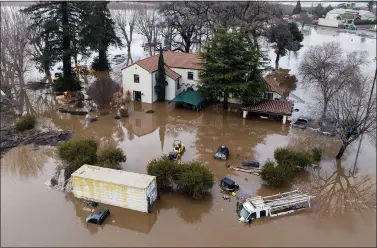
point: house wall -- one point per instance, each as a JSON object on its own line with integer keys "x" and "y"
{"x": 170, "y": 90}
{"x": 109, "y": 193}
{"x": 330, "y": 16}
{"x": 275, "y": 95}
{"x": 144, "y": 85}
{"x": 184, "y": 81}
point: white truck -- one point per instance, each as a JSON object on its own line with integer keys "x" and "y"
{"x": 115, "y": 187}
{"x": 274, "y": 205}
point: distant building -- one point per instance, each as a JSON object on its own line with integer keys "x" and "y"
{"x": 349, "y": 14}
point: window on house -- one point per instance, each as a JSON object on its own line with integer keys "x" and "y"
{"x": 190, "y": 75}
{"x": 136, "y": 79}
{"x": 268, "y": 95}
{"x": 178, "y": 85}
{"x": 138, "y": 122}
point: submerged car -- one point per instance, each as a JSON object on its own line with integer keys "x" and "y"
{"x": 328, "y": 128}
{"x": 98, "y": 216}
{"x": 229, "y": 185}
{"x": 222, "y": 153}
{"x": 254, "y": 164}
{"x": 302, "y": 122}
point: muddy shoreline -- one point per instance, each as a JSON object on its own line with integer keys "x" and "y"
{"x": 10, "y": 138}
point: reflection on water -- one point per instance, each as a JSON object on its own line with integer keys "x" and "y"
{"x": 119, "y": 217}
{"x": 341, "y": 193}
{"x": 25, "y": 161}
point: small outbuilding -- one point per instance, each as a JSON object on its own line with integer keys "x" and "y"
{"x": 115, "y": 187}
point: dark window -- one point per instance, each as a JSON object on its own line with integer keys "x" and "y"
{"x": 178, "y": 85}
{"x": 268, "y": 95}
{"x": 93, "y": 220}
{"x": 136, "y": 78}
{"x": 190, "y": 75}
{"x": 138, "y": 122}
{"x": 263, "y": 213}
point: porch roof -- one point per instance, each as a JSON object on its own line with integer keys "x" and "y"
{"x": 277, "y": 107}
{"x": 191, "y": 97}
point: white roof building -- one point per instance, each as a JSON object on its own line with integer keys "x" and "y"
{"x": 337, "y": 14}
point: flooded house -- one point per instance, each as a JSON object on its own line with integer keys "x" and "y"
{"x": 273, "y": 104}
{"x": 181, "y": 69}
{"x": 339, "y": 17}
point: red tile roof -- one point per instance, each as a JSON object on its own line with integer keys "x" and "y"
{"x": 172, "y": 60}
{"x": 274, "y": 85}
{"x": 280, "y": 107}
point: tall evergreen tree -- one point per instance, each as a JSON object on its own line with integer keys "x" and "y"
{"x": 55, "y": 18}
{"x": 160, "y": 78}
{"x": 297, "y": 9}
{"x": 285, "y": 37}
{"x": 98, "y": 31}
{"x": 230, "y": 67}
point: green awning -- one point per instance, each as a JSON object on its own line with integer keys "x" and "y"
{"x": 190, "y": 97}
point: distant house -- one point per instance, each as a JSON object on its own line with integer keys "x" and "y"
{"x": 349, "y": 14}
{"x": 181, "y": 69}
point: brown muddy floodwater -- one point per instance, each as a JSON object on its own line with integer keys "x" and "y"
{"x": 33, "y": 215}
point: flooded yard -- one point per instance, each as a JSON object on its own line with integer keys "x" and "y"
{"x": 344, "y": 211}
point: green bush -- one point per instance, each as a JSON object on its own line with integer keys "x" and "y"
{"x": 165, "y": 170}
{"x": 192, "y": 178}
{"x": 112, "y": 156}
{"x": 317, "y": 154}
{"x": 364, "y": 22}
{"x": 284, "y": 155}
{"x": 25, "y": 122}
{"x": 78, "y": 153}
{"x": 195, "y": 179}
{"x": 276, "y": 175}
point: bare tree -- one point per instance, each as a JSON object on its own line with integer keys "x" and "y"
{"x": 125, "y": 21}
{"x": 329, "y": 69}
{"x": 187, "y": 20}
{"x": 148, "y": 25}
{"x": 354, "y": 109}
{"x": 15, "y": 36}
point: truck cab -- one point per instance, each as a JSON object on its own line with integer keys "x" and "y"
{"x": 248, "y": 212}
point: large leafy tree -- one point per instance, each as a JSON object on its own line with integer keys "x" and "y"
{"x": 56, "y": 18}
{"x": 98, "y": 31}
{"x": 160, "y": 78}
{"x": 230, "y": 67}
{"x": 284, "y": 37}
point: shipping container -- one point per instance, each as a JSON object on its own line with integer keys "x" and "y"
{"x": 115, "y": 187}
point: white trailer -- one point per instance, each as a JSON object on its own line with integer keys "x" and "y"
{"x": 275, "y": 205}
{"x": 115, "y": 187}
{"x": 329, "y": 23}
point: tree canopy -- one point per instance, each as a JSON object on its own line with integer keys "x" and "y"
{"x": 230, "y": 67}
{"x": 160, "y": 78}
{"x": 297, "y": 9}
{"x": 284, "y": 37}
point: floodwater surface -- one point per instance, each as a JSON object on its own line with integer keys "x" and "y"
{"x": 343, "y": 212}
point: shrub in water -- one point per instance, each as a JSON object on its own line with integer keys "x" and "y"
{"x": 165, "y": 171}
{"x": 317, "y": 154}
{"x": 192, "y": 178}
{"x": 111, "y": 156}
{"x": 78, "y": 153}
{"x": 25, "y": 122}
{"x": 276, "y": 175}
{"x": 195, "y": 179}
{"x": 284, "y": 155}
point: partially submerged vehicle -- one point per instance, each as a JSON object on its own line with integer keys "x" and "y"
{"x": 254, "y": 164}
{"x": 301, "y": 122}
{"x": 178, "y": 150}
{"x": 98, "y": 216}
{"x": 274, "y": 205}
{"x": 229, "y": 185}
{"x": 222, "y": 153}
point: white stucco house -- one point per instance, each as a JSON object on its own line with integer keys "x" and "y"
{"x": 181, "y": 69}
